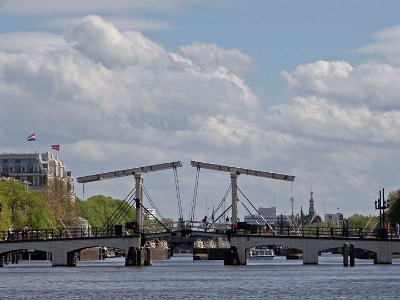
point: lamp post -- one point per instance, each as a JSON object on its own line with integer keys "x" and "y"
{"x": 382, "y": 204}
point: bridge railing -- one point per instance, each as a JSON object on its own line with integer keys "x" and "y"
{"x": 63, "y": 233}
{"x": 119, "y": 230}
{"x": 315, "y": 232}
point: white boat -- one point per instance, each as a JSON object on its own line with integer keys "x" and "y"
{"x": 261, "y": 253}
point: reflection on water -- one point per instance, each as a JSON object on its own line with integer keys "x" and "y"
{"x": 182, "y": 278}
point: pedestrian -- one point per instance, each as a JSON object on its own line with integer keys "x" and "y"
{"x": 10, "y": 233}
{"x": 388, "y": 228}
{"x": 397, "y": 230}
{"x": 24, "y": 232}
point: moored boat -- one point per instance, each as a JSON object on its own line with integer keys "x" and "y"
{"x": 261, "y": 253}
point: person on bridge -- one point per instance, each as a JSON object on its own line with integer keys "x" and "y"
{"x": 205, "y": 223}
{"x": 24, "y": 232}
{"x": 10, "y": 233}
{"x": 389, "y": 229}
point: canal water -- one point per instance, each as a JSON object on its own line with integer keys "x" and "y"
{"x": 182, "y": 278}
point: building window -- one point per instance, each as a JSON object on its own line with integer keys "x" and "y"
{"x": 35, "y": 181}
{"x": 23, "y": 168}
{"x": 35, "y": 168}
{"x": 11, "y": 169}
{"x": 5, "y": 160}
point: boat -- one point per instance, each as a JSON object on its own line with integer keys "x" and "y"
{"x": 261, "y": 253}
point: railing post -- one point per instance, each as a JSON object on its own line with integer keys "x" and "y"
{"x": 288, "y": 231}
{"x": 317, "y": 231}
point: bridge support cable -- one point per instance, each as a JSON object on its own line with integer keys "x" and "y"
{"x": 258, "y": 223}
{"x": 266, "y": 222}
{"x": 121, "y": 211}
{"x": 290, "y": 222}
{"x": 234, "y": 173}
{"x": 66, "y": 229}
{"x": 155, "y": 217}
{"x": 312, "y": 219}
{"x": 221, "y": 204}
{"x": 146, "y": 193}
{"x": 196, "y": 185}
{"x": 178, "y": 195}
{"x": 52, "y": 225}
{"x": 138, "y": 174}
{"x": 222, "y": 214}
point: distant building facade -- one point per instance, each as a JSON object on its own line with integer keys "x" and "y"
{"x": 35, "y": 170}
{"x": 264, "y": 213}
{"x": 334, "y": 218}
{"x": 150, "y": 214}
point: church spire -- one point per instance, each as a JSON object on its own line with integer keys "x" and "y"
{"x": 311, "y": 210}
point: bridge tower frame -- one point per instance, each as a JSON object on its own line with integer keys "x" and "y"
{"x": 234, "y": 174}
{"x": 139, "y": 179}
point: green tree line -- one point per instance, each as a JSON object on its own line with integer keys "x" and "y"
{"x": 53, "y": 208}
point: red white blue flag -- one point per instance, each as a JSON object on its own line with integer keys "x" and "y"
{"x": 31, "y": 138}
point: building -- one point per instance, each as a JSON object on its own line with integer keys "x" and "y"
{"x": 150, "y": 214}
{"x": 35, "y": 170}
{"x": 334, "y": 218}
{"x": 268, "y": 214}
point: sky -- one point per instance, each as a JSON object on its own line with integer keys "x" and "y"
{"x": 305, "y": 88}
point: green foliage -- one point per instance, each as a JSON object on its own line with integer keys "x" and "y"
{"x": 21, "y": 207}
{"x": 99, "y": 209}
{"x": 60, "y": 201}
{"x": 359, "y": 221}
{"x": 393, "y": 212}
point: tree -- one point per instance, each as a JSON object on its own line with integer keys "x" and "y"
{"x": 61, "y": 201}
{"x": 359, "y": 221}
{"x": 99, "y": 210}
{"x": 393, "y": 212}
{"x": 21, "y": 207}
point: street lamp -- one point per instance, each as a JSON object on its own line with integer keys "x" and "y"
{"x": 382, "y": 204}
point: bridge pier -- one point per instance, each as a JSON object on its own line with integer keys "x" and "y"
{"x": 137, "y": 257}
{"x": 62, "y": 259}
{"x": 310, "y": 252}
{"x": 232, "y": 257}
{"x": 345, "y": 253}
{"x": 71, "y": 259}
{"x": 383, "y": 253}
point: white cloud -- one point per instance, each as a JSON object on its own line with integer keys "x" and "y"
{"x": 387, "y": 44}
{"x": 115, "y": 99}
{"x": 373, "y": 84}
{"x": 101, "y": 41}
{"x": 30, "y": 42}
{"x": 108, "y": 81}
